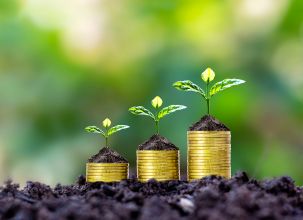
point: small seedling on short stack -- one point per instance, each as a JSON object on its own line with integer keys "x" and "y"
{"x": 107, "y": 165}
{"x": 108, "y": 130}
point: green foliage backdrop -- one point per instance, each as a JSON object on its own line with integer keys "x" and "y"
{"x": 67, "y": 64}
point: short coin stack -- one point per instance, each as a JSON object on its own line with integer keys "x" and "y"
{"x": 106, "y": 172}
{"x": 162, "y": 165}
{"x": 209, "y": 153}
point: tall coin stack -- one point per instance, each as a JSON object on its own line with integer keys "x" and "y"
{"x": 208, "y": 153}
{"x": 106, "y": 172}
{"x": 162, "y": 165}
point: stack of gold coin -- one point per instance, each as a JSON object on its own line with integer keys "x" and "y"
{"x": 208, "y": 153}
{"x": 106, "y": 172}
{"x": 162, "y": 165}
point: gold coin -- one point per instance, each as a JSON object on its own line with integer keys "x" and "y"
{"x": 208, "y": 171}
{"x": 157, "y": 160}
{"x": 105, "y": 166}
{"x": 103, "y": 180}
{"x": 106, "y": 174}
{"x": 103, "y": 173}
{"x": 197, "y": 165}
{"x": 211, "y": 143}
{"x": 207, "y": 136}
{"x": 105, "y": 177}
{"x": 157, "y": 172}
{"x": 209, "y": 133}
{"x": 150, "y": 175}
{"x": 203, "y": 151}
{"x": 155, "y": 169}
{"x": 147, "y": 166}
{"x": 159, "y": 180}
{"x": 158, "y": 152}
{"x": 109, "y": 170}
{"x": 208, "y": 144}
{"x": 159, "y": 177}
{"x": 199, "y": 175}
{"x": 204, "y": 137}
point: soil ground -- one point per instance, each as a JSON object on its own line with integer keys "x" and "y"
{"x": 208, "y": 123}
{"x": 211, "y": 198}
{"x": 157, "y": 142}
{"x": 107, "y": 155}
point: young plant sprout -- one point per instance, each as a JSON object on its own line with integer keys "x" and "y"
{"x": 108, "y": 130}
{"x": 156, "y": 103}
{"x": 207, "y": 76}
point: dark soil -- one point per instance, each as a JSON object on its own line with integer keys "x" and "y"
{"x": 211, "y": 198}
{"x": 208, "y": 123}
{"x": 157, "y": 142}
{"x": 107, "y": 155}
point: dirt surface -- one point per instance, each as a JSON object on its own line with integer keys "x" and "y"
{"x": 157, "y": 142}
{"x": 208, "y": 123}
{"x": 211, "y": 198}
{"x": 107, "y": 155}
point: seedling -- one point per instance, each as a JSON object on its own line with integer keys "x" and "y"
{"x": 156, "y": 103}
{"x": 108, "y": 130}
{"x": 207, "y": 76}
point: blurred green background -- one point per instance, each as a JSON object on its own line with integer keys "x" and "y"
{"x": 68, "y": 64}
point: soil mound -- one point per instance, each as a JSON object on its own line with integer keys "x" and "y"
{"x": 157, "y": 142}
{"x": 208, "y": 123}
{"x": 107, "y": 155}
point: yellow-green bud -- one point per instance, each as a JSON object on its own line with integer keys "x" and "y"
{"x": 157, "y": 102}
{"x": 208, "y": 75}
{"x": 106, "y": 123}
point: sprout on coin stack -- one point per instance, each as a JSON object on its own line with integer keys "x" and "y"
{"x": 157, "y": 158}
{"x": 209, "y": 141}
{"x": 107, "y": 165}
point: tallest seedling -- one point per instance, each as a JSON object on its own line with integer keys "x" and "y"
{"x": 208, "y": 140}
{"x": 207, "y": 76}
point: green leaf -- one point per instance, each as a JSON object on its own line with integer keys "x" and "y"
{"x": 116, "y": 129}
{"x": 94, "y": 129}
{"x": 225, "y": 84}
{"x": 140, "y": 110}
{"x": 189, "y": 86}
{"x": 170, "y": 109}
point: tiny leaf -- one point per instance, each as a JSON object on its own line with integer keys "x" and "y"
{"x": 208, "y": 75}
{"x": 225, "y": 84}
{"x": 94, "y": 129}
{"x": 189, "y": 86}
{"x": 170, "y": 109}
{"x": 106, "y": 123}
{"x": 157, "y": 102}
{"x": 116, "y": 129}
{"x": 140, "y": 110}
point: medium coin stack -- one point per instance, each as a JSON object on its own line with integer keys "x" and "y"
{"x": 162, "y": 165}
{"x": 106, "y": 172}
{"x": 208, "y": 153}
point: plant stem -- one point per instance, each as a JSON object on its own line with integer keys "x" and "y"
{"x": 106, "y": 138}
{"x": 207, "y": 98}
{"x": 157, "y": 126}
{"x": 106, "y": 141}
